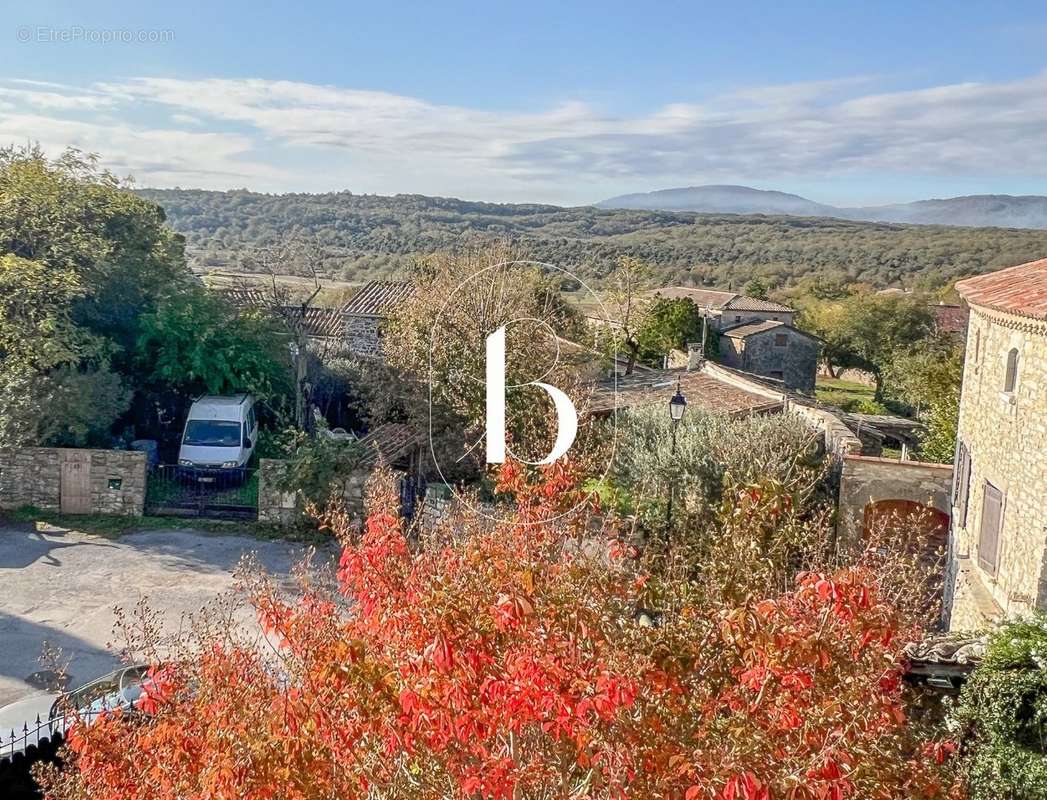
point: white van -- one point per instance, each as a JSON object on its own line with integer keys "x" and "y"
{"x": 220, "y": 435}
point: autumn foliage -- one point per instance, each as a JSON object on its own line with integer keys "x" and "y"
{"x": 508, "y": 660}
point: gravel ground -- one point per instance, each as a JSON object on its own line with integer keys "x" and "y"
{"x": 60, "y": 587}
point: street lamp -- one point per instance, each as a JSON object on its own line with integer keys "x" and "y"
{"x": 677, "y": 407}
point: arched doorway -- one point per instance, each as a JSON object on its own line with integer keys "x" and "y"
{"x": 918, "y": 523}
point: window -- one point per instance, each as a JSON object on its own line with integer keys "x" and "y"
{"x": 1010, "y": 379}
{"x": 989, "y": 535}
{"x": 212, "y": 433}
{"x": 781, "y": 340}
{"x": 737, "y": 317}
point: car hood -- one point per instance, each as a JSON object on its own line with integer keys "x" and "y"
{"x": 23, "y": 713}
{"x": 199, "y": 454}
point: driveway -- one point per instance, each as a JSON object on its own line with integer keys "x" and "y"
{"x": 60, "y": 588}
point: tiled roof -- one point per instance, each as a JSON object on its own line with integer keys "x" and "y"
{"x": 244, "y": 298}
{"x": 750, "y": 328}
{"x": 743, "y": 303}
{"x": 724, "y": 301}
{"x": 658, "y": 386}
{"x": 387, "y": 443}
{"x": 378, "y": 298}
{"x": 318, "y": 321}
{"x": 700, "y": 297}
{"x": 950, "y": 319}
{"x": 747, "y": 329}
{"x": 1019, "y": 290}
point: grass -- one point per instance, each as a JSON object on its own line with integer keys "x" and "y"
{"x": 848, "y": 395}
{"x": 112, "y": 526}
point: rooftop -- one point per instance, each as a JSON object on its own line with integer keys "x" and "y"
{"x": 378, "y": 298}
{"x": 388, "y": 443}
{"x": 724, "y": 301}
{"x": 950, "y": 318}
{"x": 1019, "y": 290}
{"x": 702, "y": 391}
{"x": 747, "y": 329}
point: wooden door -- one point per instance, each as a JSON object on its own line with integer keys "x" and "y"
{"x": 76, "y": 482}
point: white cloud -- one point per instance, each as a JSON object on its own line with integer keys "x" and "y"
{"x": 377, "y": 141}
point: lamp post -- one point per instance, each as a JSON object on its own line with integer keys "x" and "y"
{"x": 677, "y": 407}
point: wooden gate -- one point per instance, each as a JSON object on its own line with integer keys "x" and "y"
{"x": 76, "y": 482}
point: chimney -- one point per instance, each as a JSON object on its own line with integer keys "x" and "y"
{"x": 695, "y": 356}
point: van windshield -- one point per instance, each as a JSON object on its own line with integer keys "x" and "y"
{"x": 212, "y": 433}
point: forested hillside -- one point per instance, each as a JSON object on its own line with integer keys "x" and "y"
{"x": 368, "y": 236}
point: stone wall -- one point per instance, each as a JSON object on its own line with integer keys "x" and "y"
{"x": 1006, "y": 436}
{"x": 865, "y": 480}
{"x": 795, "y": 363}
{"x": 363, "y": 335}
{"x": 275, "y": 506}
{"x": 32, "y": 476}
{"x": 285, "y": 508}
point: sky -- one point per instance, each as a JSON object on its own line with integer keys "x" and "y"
{"x": 849, "y": 103}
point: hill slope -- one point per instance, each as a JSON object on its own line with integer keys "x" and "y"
{"x": 722, "y": 200}
{"x": 987, "y": 210}
{"x": 368, "y": 236}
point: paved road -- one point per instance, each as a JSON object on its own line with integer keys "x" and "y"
{"x": 60, "y": 587}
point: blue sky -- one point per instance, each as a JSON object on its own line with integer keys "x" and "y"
{"x": 546, "y": 102}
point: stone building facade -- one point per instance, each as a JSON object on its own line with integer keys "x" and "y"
{"x": 874, "y": 490}
{"x": 998, "y": 541}
{"x": 365, "y": 313}
{"x": 772, "y": 349}
{"x": 725, "y": 309}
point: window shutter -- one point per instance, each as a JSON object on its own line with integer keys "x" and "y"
{"x": 963, "y": 484}
{"x": 989, "y": 536}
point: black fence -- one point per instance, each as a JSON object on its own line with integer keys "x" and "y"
{"x": 20, "y": 751}
{"x": 223, "y": 493}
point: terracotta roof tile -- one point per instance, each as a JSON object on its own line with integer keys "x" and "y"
{"x": 378, "y": 298}
{"x": 318, "y": 320}
{"x": 721, "y": 300}
{"x": 387, "y": 443}
{"x": 747, "y": 329}
{"x": 657, "y": 386}
{"x": 950, "y": 319}
{"x": 1019, "y": 290}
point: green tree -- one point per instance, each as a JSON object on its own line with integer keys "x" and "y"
{"x": 756, "y": 288}
{"x": 1002, "y": 715}
{"x": 868, "y": 330}
{"x": 79, "y": 220}
{"x": 198, "y": 342}
{"x": 63, "y": 407}
{"x": 927, "y": 380}
{"x": 669, "y": 324}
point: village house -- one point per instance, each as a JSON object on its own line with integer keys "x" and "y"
{"x": 365, "y": 313}
{"x": 726, "y": 309}
{"x": 772, "y": 349}
{"x": 998, "y": 540}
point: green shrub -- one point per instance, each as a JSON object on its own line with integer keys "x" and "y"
{"x": 1002, "y": 715}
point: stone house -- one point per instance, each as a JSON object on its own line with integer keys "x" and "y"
{"x": 726, "y": 309}
{"x": 363, "y": 315}
{"x": 998, "y": 540}
{"x": 772, "y": 349}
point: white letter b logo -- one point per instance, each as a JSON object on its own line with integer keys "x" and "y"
{"x": 566, "y": 415}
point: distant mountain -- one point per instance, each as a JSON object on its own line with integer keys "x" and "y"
{"x": 365, "y": 237}
{"x": 976, "y": 211}
{"x": 722, "y": 200}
